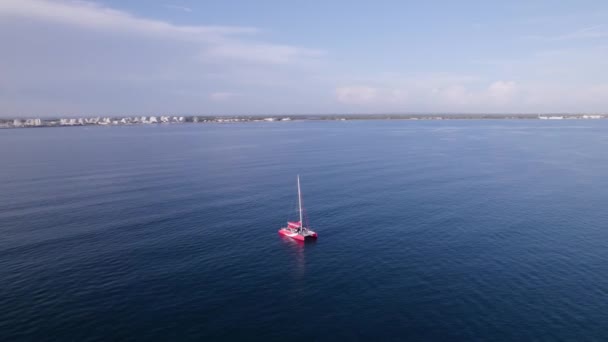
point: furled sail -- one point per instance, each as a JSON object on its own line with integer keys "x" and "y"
{"x": 294, "y": 224}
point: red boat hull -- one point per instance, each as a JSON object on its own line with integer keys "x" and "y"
{"x": 296, "y": 236}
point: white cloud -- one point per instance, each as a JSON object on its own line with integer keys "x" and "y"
{"x": 260, "y": 53}
{"x": 501, "y": 92}
{"x": 398, "y": 95}
{"x": 373, "y": 97}
{"x": 179, "y": 8}
{"x": 94, "y": 16}
{"x": 356, "y": 94}
{"x": 231, "y": 42}
{"x": 492, "y": 97}
{"x": 563, "y": 98}
{"x": 455, "y": 95}
{"x": 71, "y": 57}
{"x": 590, "y": 32}
{"x": 442, "y": 92}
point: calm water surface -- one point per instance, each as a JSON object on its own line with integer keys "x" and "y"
{"x": 459, "y": 230}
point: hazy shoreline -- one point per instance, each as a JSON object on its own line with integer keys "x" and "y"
{"x": 7, "y": 123}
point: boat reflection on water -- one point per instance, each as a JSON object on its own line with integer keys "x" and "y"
{"x": 298, "y": 249}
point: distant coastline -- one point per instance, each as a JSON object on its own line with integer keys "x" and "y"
{"x": 170, "y": 119}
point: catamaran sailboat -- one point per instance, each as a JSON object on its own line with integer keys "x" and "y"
{"x": 296, "y": 230}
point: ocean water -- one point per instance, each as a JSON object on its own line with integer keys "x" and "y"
{"x": 428, "y": 230}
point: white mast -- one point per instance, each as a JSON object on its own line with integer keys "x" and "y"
{"x": 300, "y": 203}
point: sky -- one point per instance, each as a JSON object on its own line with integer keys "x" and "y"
{"x": 239, "y": 57}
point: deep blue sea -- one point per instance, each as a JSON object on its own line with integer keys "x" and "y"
{"x": 468, "y": 230}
